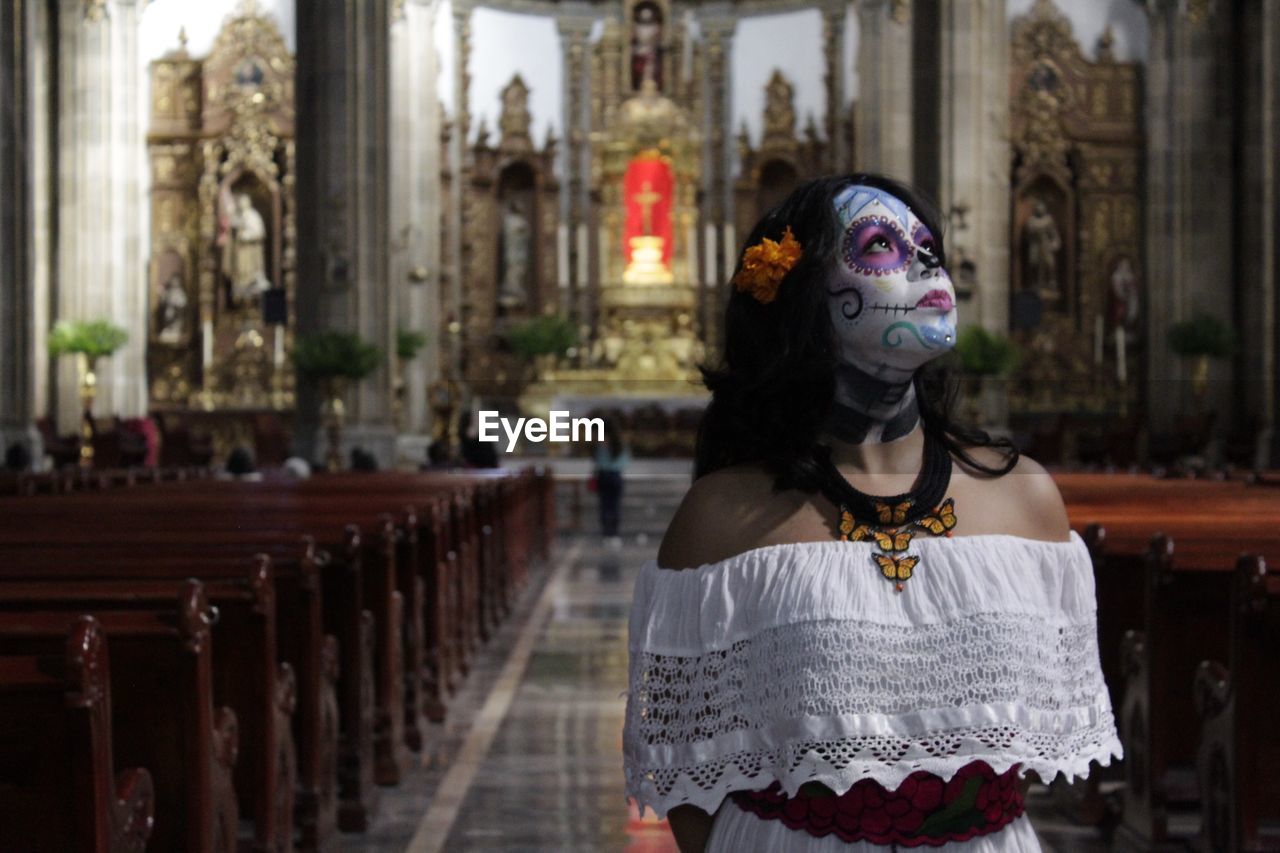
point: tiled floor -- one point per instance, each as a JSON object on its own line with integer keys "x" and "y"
{"x": 530, "y": 758}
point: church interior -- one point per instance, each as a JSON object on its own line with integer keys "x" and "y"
{"x": 265, "y": 585}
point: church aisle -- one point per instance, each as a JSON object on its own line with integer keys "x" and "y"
{"x": 530, "y": 758}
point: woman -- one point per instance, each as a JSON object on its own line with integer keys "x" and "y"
{"x": 865, "y": 624}
{"x": 611, "y": 460}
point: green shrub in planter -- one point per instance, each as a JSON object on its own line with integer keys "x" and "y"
{"x": 94, "y": 338}
{"x": 327, "y": 355}
{"x": 983, "y": 353}
{"x": 548, "y": 334}
{"x": 1202, "y": 335}
{"x": 408, "y": 343}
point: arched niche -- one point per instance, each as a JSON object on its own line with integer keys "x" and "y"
{"x": 1044, "y": 209}
{"x": 515, "y": 215}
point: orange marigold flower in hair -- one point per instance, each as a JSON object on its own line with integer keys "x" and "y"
{"x": 765, "y": 264}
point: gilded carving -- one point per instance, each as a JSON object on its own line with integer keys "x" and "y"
{"x": 1077, "y": 149}
{"x": 515, "y": 118}
{"x": 779, "y": 111}
{"x": 222, "y": 161}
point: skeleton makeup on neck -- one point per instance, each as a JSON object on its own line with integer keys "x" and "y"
{"x": 893, "y": 308}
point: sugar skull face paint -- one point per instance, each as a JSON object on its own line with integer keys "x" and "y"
{"x": 892, "y": 303}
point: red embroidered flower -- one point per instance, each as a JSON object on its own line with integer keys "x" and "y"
{"x": 923, "y": 810}
{"x": 956, "y": 784}
{"x": 928, "y": 793}
{"x": 796, "y": 809}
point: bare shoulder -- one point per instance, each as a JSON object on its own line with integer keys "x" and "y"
{"x": 723, "y": 514}
{"x": 1028, "y": 500}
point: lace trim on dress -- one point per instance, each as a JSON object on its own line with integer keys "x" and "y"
{"x": 795, "y": 666}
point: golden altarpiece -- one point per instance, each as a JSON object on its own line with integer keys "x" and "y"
{"x": 638, "y": 298}
{"x": 1076, "y": 241}
{"x": 223, "y": 223}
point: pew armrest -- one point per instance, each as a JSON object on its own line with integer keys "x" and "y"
{"x": 1212, "y": 689}
{"x": 134, "y": 814}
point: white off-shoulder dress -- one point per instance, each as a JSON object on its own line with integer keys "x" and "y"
{"x": 800, "y": 663}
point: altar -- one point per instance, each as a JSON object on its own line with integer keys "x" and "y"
{"x": 647, "y": 344}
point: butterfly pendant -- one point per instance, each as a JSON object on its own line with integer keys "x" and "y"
{"x": 892, "y": 540}
{"x": 888, "y": 540}
{"x": 896, "y": 569}
{"x": 940, "y": 521}
{"x": 851, "y": 531}
{"x": 895, "y": 565}
{"x": 887, "y": 514}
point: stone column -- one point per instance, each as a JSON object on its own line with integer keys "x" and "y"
{"x": 415, "y": 200}
{"x": 884, "y": 110}
{"x": 343, "y": 203}
{"x": 833, "y": 26}
{"x": 459, "y": 170}
{"x": 1188, "y": 248}
{"x": 1257, "y": 384}
{"x": 974, "y": 151}
{"x": 101, "y": 268}
{"x": 17, "y": 297}
{"x": 718, "y": 33}
{"x": 576, "y": 165}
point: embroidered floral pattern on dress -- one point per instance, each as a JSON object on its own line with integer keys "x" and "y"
{"x": 923, "y": 810}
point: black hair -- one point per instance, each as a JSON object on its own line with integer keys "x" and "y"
{"x": 240, "y": 462}
{"x": 17, "y": 458}
{"x": 363, "y": 460}
{"x": 775, "y": 384}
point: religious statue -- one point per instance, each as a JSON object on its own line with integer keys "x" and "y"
{"x": 172, "y": 312}
{"x": 515, "y": 257}
{"x": 244, "y": 254}
{"x": 646, "y": 199}
{"x": 1123, "y": 296}
{"x": 646, "y": 46}
{"x": 1041, "y": 243}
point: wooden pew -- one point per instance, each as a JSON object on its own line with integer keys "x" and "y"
{"x": 1121, "y": 594}
{"x": 247, "y": 674}
{"x": 1238, "y": 759}
{"x": 59, "y": 789}
{"x": 162, "y": 710}
{"x": 420, "y": 561}
{"x": 294, "y": 594}
{"x": 1212, "y": 523}
{"x": 217, "y": 517}
{"x": 1185, "y": 615}
{"x": 363, "y": 576}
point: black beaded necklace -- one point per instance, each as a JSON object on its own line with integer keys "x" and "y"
{"x": 891, "y": 521}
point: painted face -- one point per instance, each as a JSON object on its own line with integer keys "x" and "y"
{"x": 891, "y": 302}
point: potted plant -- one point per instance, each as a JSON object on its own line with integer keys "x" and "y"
{"x": 541, "y": 340}
{"x": 88, "y": 340}
{"x": 1201, "y": 338}
{"x": 335, "y": 358}
{"x": 409, "y": 342}
{"x": 987, "y": 357}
